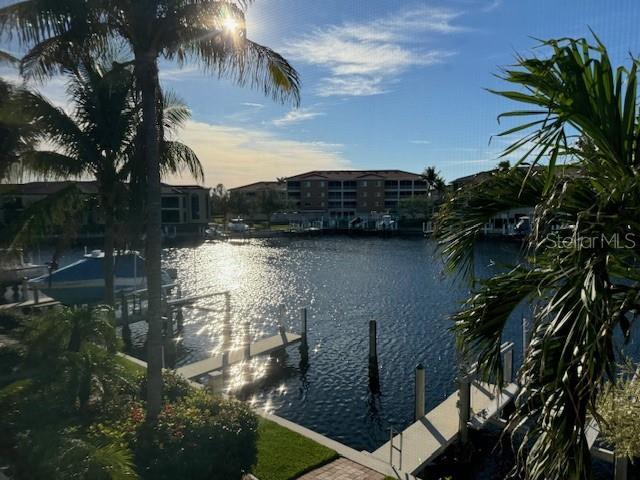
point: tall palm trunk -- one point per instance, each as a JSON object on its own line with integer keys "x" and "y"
{"x": 109, "y": 247}
{"x": 147, "y": 76}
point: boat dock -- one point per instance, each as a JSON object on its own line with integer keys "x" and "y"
{"x": 423, "y": 441}
{"x": 218, "y": 362}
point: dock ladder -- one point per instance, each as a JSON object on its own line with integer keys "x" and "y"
{"x": 393, "y": 447}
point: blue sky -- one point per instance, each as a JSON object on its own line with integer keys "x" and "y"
{"x": 386, "y": 84}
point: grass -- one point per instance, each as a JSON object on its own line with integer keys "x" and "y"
{"x": 132, "y": 370}
{"x": 285, "y": 455}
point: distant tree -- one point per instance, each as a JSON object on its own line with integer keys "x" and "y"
{"x": 434, "y": 180}
{"x": 269, "y": 202}
{"x": 419, "y": 206}
{"x": 220, "y": 203}
{"x": 238, "y": 204}
{"x": 503, "y": 166}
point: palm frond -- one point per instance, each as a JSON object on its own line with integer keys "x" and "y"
{"x": 175, "y": 157}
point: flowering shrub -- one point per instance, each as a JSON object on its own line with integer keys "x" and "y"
{"x": 199, "y": 437}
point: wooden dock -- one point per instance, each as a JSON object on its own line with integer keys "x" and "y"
{"x": 261, "y": 347}
{"x": 422, "y": 442}
{"x": 39, "y": 301}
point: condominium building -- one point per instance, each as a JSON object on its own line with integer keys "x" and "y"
{"x": 185, "y": 208}
{"x": 345, "y": 193}
{"x": 254, "y": 190}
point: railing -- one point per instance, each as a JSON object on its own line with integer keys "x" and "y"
{"x": 392, "y": 447}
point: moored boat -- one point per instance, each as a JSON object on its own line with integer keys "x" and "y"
{"x": 82, "y": 282}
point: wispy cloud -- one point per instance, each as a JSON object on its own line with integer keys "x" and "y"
{"x": 253, "y": 105}
{"x": 491, "y": 5}
{"x": 296, "y": 116}
{"x": 237, "y": 156}
{"x": 420, "y": 142}
{"x": 364, "y": 58}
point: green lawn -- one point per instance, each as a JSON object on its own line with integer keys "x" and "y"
{"x": 285, "y": 455}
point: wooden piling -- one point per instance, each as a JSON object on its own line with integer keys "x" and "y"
{"x": 303, "y": 326}
{"x": 508, "y": 366}
{"x": 180, "y": 319}
{"x": 419, "y": 394}
{"x": 373, "y": 341}
{"x": 374, "y": 373}
{"x": 247, "y": 342}
{"x": 620, "y": 468}
{"x": 124, "y": 318}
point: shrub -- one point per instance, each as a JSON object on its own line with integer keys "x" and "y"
{"x": 199, "y": 437}
{"x": 174, "y": 387}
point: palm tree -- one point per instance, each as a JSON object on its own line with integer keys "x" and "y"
{"x": 434, "y": 180}
{"x": 582, "y": 267}
{"x": 98, "y": 139}
{"x": 16, "y": 136}
{"x": 210, "y": 33}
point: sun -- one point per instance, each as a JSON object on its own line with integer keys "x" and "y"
{"x": 230, "y": 25}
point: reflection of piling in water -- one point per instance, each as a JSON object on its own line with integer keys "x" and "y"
{"x": 226, "y": 323}
{"x": 374, "y": 376}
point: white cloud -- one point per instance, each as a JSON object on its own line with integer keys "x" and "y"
{"x": 237, "y": 156}
{"x": 363, "y": 58}
{"x": 253, "y": 105}
{"x": 492, "y": 5}
{"x": 421, "y": 142}
{"x": 296, "y": 116}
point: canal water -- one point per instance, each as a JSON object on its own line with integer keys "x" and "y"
{"x": 344, "y": 283}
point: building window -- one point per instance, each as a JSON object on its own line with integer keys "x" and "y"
{"x": 335, "y": 195}
{"x": 364, "y": 204}
{"x": 363, "y": 183}
{"x": 406, "y": 184}
{"x": 292, "y": 185}
{"x": 335, "y": 185}
{"x": 195, "y": 207}
{"x": 322, "y": 204}
{"x": 391, "y": 184}
{"x": 322, "y": 194}
{"x": 307, "y": 184}
{"x": 322, "y": 183}
{"x": 308, "y": 194}
{"x": 420, "y": 184}
{"x": 170, "y": 202}
{"x": 349, "y": 195}
{"x": 349, "y": 184}
{"x": 364, "y": 194}
{"x": 307, "y": 204}
{"x": 378, "y": 183}
{"x": 378, "y": 194}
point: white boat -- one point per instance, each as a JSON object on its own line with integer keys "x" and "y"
{"x": 82, "y": 282}
{"x": 13, "y": 268}
{"x": 386, "y": 223}
{"x": 237, "y": 225}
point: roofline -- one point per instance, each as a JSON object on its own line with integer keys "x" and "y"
{"x": 378, "y": 171}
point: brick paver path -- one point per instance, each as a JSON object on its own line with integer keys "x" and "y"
{"x": 342, "y": 469}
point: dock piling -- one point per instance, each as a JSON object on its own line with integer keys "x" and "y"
{"x": 374, "y": 374}
{"x": 508, "y": 366}
{"x": 215, "y": 381}
{"x": 281, "y": 323}
{"x": 124, "y": 318}
{"x": 247, "y": 342}
{"x": 620, "y": 468}
{"x": 420, "y": 396}
{"x": 180, "y": 319}
{"x": 303, "y": 321}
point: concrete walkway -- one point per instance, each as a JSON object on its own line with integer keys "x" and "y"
{"x": 342, "y": 469}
